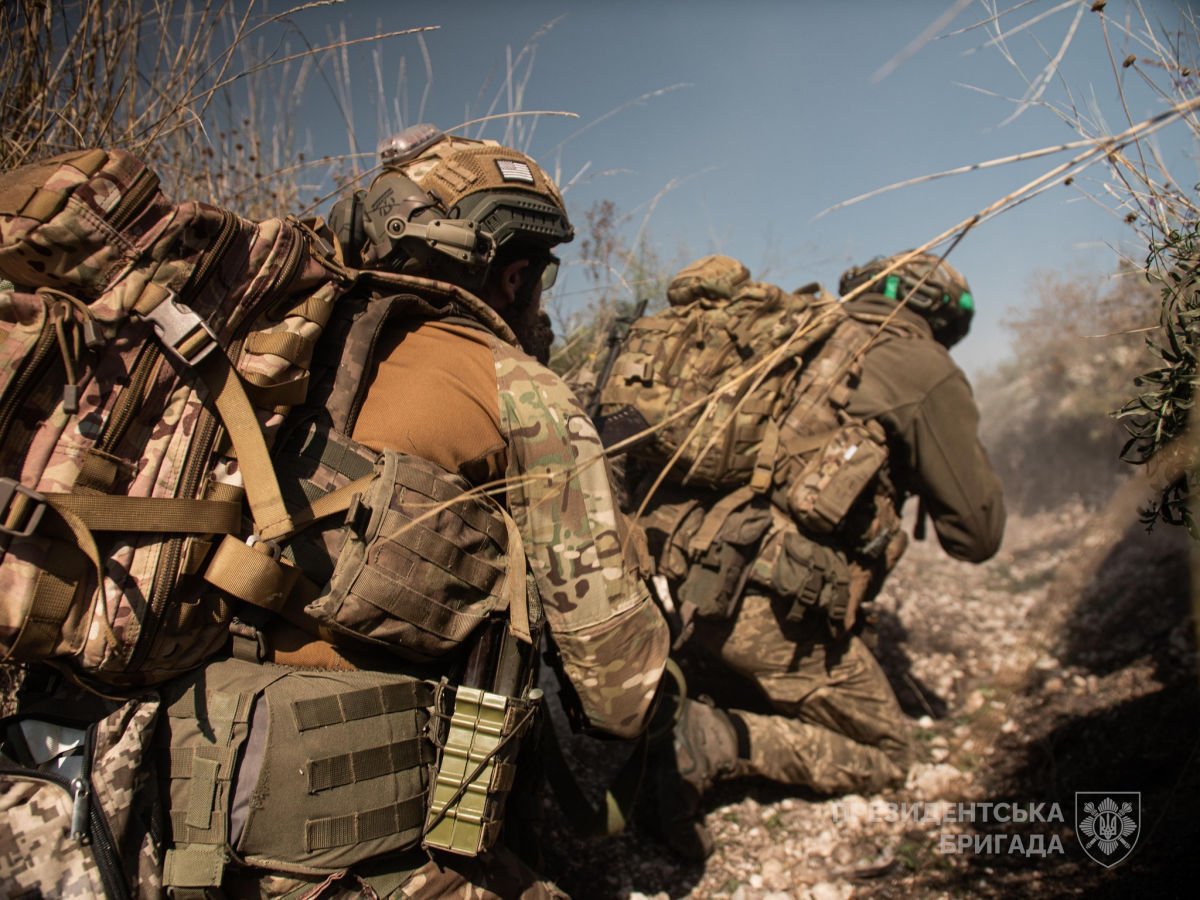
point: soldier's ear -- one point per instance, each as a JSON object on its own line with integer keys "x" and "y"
{"x": 507, "y": 283}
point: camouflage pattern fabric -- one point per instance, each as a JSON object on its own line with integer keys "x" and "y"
{"x": 714, "y": 371}
{"x": 114, "y": 288}
{"x": 838, "y": 727}
{"x": 558, "y": 490}
{"x": 38, "y": 855}
{"x": 612, "y": 639}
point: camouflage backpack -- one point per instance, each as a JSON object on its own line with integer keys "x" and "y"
{"x": 80, "y": 810}
{"x": 747, "y": 387}
{"x": 147, "y": 352}
{"x": 714, "y": 371}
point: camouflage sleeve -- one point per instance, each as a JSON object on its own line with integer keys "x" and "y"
{"x": 612, "y": 639}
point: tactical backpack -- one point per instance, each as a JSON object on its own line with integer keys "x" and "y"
{"x": 149, "y": 354}
{"x": 80, "y": 811}
{"x": 149, "y": 350}
{"x": 713, "y": 372}
{"x": 153, "y": 355}
{"x": 745, "y": 387}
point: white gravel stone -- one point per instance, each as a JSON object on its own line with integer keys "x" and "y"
{"x": 828, "y": 890}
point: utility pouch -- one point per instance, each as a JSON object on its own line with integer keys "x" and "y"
{"x": 420, "y": 562}
{"x": 79, "y": 810}
{"x": 293, "y": 770}
{"x": 705, "y": 552}
{"x": 476, "y": 768}
{"x": 834, "y": 478}
{"x": 813, "y": 577}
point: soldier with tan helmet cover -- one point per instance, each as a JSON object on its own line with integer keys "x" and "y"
{"x": 876, "y": 413}
{"x": 455, "y": 240}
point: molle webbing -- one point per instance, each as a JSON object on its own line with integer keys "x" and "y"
{"x": 363, "y": 826}
{"x": 422, "y": 560}
{"x": 699, "y": 373}
{"x": 363, "y": 765}
{"x": 206, "y": 729}
{"x": 293, "y": 770}
{"x": 338, "y": 709}
{"x": 824, "y": 384}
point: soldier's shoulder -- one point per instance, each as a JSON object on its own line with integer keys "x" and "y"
{"x": 522, "y": 376}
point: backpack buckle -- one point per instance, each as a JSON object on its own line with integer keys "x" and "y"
{"x": 28, "y": 513}
{"x": 268, "y": 548}
{"x": 181, "y": 330}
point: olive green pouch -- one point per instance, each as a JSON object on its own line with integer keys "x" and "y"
{"x": 835, "y": 477}
{"x": 294, "y": 770}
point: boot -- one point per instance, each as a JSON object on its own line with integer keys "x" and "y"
{"x": 703, "y": 749}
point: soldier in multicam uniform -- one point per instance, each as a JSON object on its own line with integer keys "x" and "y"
{"x": 836, "y": 726}
{"x": 475, "y": 222}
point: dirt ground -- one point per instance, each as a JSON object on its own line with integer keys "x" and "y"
{"x": 1067, "y": 663}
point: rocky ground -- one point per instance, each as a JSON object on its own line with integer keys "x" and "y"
{"x": 1065, "y": 664}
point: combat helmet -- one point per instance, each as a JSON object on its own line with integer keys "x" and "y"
{"x": 444, "y": 203}
{"x": 927, "y": 285}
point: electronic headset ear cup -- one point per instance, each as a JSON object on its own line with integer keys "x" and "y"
{"x": 927, "y": 284}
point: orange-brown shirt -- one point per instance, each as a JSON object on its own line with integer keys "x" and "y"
{"x": 433, "y": 394}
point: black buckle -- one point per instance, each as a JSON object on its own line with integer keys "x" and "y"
{"x": 176, "y": 324}
{"x": 33, "y": 515}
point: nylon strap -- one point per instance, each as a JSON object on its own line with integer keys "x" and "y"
{"x": 314, "y": 309}
{"x": 349, "y": 706}
{"x": 149, "y": 299}
{"x": 194, "y": 867}
{"x": 267, "y": 394}
{"x": 715, "y": 519}
{"x": 336, "y": 455}
{"x": 250, "y": 575}
{"x": 186, "y": 834}
{"x": 289, "y": 345}
{"x": 53, "y": 595}
{"x": 189, "y": 871}
{"x": 182, "y": 759}
{"x": 336, "y": 501}
{"x": 764, "y": 463}
{"x": 368, "y": 825}
{"x": 363, "y": 765}
{"x": 800, "y": 445}
{"x": 98, "y": 471}
{"x": 515, "y": 590}
{"x": 254, "y": 460}
{"x": 50, "y": 606}
{"x": 202, "y": 794}
{"x": 100, "y": 512}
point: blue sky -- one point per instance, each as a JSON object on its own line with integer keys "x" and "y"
{"x": 767, "y": 112}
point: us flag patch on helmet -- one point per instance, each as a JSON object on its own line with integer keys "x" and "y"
{"x": 514, "y": 170}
